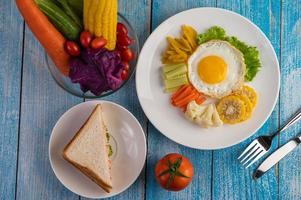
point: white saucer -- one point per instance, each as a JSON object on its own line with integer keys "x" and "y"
{"x": 128, "y": 141}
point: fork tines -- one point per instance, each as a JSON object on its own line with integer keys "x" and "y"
{"x": 252, "y": 153}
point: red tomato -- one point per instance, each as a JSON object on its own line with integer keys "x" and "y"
{"x": 124, "y": 74}
{"x": 121, "y": 48}
{"x": 127, "y": 55}
{"x": 86, "y": 38}
{"x": 174, "y": 172}
{"x": 126, "y": 65}
{"x": 123, "y": 40}
{"x": 72, "y": 48}
{"x": 121, "y": 29}
{"x": 98, "y": 43}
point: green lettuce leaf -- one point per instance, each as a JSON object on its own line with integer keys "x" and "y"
{"x": 251, "y": 54}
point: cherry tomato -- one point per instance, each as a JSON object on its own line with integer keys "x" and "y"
{"x": 124, "y": 74}
{"x": 121, "y": 29}
{"x": 121, "y": 47}
{"x": 123, "y": 40}
{"x": 86, "y": 38}
{"x": 174, "y": 172}
{"x": 127, "y": 55}
{"x": 72, "y": 48}
{"x": 126, "y": 65}
{"x": 98, "y": 43}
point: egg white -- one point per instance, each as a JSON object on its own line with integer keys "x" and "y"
{"x": 235, "y": 68}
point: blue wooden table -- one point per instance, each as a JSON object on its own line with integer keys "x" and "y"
{"x": 31, "y": 103}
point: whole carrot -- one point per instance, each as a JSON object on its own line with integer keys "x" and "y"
{"x": 49, "y": 37}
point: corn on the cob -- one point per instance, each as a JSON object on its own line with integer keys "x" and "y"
{"x": 106, "y": 19}
{"x": 113, "y": 26}
{"x": 86, "y": 11}
{"x": 98, "y": 17}
{"x": 92, "y": 12}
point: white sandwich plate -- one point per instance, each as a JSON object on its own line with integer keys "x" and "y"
{"x": 127, "y": 140}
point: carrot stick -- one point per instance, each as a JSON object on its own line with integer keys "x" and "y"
{"x": 200, "y": 100}
{"x": 183, "y": 108}
{"x": 187, "y": 99}
{"x": 185, "y": 93}
{"x": 50, "y": 38}
{"x": 179, "y": 91}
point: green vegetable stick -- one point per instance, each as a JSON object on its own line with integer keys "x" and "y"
{"x": 171, "y": 90}
{"x": 176, "y": 72}
{"x": 71, "y": 13}
{"x": 174, "y": 77}
{"x": 77, "y": 6}
{"x": 175, "y": 83}
{"x": 171, "y": 67}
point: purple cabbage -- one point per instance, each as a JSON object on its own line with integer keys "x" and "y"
{"x": 97, "y": 70}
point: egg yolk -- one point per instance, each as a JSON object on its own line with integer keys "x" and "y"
{"x": 212, "y": 69}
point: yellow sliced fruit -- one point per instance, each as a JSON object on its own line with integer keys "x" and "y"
{"x": 231, "y": 109}
{"x": 190, "y": 34}
{"x": 248, "y": 105}
{"x": 250, "y": 93}
{"x": 185, "y": 45}
{"x": 173, "y": 43}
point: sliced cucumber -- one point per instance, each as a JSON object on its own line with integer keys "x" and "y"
{"x": 60, "y": 19}
{"x": 176, "y": 72}
{"x": 175, "y": 83}
{"x": 175, "y": 77}
{"x": 171, "y": 67}
{"x": 171, "y": 90}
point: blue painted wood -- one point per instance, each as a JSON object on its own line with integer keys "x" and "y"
{"x": 158, "y": 145}
{"x": 230, "y": 179}
{"x": 42, "y": 103}
{"x": 138, "y": 13}
{"x": 290, "y": 95}
{"x": 11, "y": 37}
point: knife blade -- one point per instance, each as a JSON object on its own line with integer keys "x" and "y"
{"x": 275, "y": 157}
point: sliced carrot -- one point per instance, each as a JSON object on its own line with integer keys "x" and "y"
{"x": 183, "y": 108}
{"x": 200, "y": 99}
{"x": 182, "y": 95}
{"x": 173, "y": 102}
{"x": 187, "y": 99}
{"x": 179, "y": 91}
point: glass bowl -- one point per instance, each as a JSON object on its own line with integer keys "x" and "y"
{"x": 74, "y": 88}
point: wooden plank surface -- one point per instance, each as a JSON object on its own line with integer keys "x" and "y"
{"x": 138, "y": 13}
{"x": 11, "y": 42}
{"x": 230, "y": 179}
{"x": 39, "y": 102}
{"x": 290, "y": 95}
{"x": 42, "y": 103}
{"x": 159, "y": 145}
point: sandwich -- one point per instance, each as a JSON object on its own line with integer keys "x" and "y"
{"x": 89, "y": 150}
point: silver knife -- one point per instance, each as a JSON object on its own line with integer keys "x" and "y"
{"x": 276, "y": 157}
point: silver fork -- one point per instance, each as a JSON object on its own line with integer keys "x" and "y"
{"x": 262, "y": 144}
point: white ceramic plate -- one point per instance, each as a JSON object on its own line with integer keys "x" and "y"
{"x": 129, "y": 146}
{"x": 169, "y": 120}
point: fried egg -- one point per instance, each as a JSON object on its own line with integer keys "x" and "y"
{"x": 216, "y": 68}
